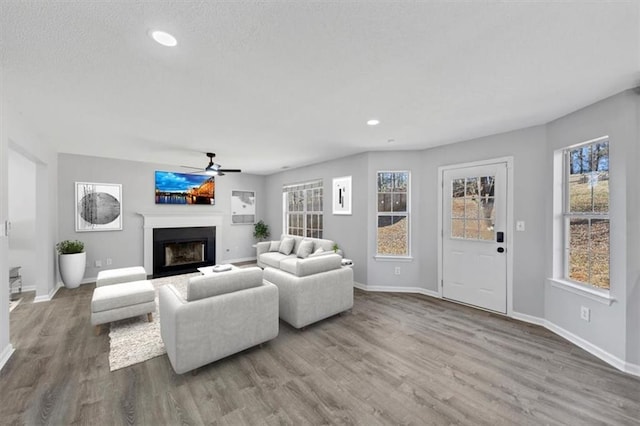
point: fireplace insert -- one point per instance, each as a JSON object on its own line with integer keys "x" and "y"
{"x": 183, "y": 250}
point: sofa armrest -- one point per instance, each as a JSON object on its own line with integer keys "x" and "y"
{"x": 169, "y": 301}
{"x": 262, "y": 247}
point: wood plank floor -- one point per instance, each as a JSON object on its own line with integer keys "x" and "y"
{"x": 395, "y": 359}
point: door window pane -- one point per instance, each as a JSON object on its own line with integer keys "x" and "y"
{"x": 457, "y": 228}
{"x": 384, "y": 202}
{"x": 473, "y": 198}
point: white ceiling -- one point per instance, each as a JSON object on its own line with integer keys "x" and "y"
{"x": 273, "y": 84}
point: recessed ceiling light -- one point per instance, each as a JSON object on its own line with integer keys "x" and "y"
{"x": 373, "y": 122}
{"x": 164, "y": 39}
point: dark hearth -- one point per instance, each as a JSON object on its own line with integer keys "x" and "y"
{"x": 183, "y": 250}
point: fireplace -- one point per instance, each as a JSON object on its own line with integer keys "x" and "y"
{"x": 182, "y": 250}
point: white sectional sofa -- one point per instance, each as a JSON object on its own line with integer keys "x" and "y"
{"x": 312, "y": 283}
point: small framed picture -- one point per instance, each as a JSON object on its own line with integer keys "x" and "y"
{"x": 243, "y": 207}
{"x": 98, "y": 206}
{"x": 342, "y": 195}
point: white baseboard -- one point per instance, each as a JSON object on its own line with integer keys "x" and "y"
{"x": 588, "y": 346}
{"x": 6, "y": 354}
{"x": 594, "y": 350}
{"x": 633, "y": 369}
{"x": 529, "y": 318}
{"x": 49, "y": 296}
{"x": 391, "y": 289}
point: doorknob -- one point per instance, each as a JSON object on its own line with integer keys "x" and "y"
{"x": 500, "y": 249}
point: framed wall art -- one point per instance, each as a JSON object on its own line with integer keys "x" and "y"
{"x": 98, "y": 206}
{"x": 342, "y": 195}
{"x": 185, "y": 188}
{"x": 243, "y": 207}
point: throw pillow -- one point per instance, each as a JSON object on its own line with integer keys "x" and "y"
{"x": 286, "y": 245}
{"x": 275, "y": 246}
{"x": 318, "y": 252}
{"x": 305, "y": 249}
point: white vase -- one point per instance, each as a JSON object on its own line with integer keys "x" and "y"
{"x": 72, "y": 268}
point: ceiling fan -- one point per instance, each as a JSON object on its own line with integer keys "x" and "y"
{"x": 213, "y": 169}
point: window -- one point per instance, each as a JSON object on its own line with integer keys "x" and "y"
{"x": 303, "y": 206}
{"x": 586, "y": 213}
{"x": 472, "y": 213}
{"x": 393, "y": 214}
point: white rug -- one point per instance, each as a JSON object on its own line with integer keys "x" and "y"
{"x": 136, "y": 340}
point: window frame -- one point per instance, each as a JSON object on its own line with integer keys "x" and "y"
{"x": 567, "y": 215}
{"x": 307, "y": 189}
{"x": 407, "y": 214}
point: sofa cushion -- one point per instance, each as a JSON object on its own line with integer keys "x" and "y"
{"x": 273, "y": 259}
{"x": 121, "y": 275}
{"x": 217, "y": 283}
{"x": 304, "y": 249}
{"x": 116, "y": 296}
{"x": 286, "y": 245}
{"x": 275, "y": 246}
{"x": 311, "y": 265}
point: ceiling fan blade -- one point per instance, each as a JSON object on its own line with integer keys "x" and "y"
{"x": 189, "y": 167}
{"x": 230, "y": 170}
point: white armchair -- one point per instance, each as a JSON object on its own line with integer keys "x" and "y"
{"x": 223, "y": 313}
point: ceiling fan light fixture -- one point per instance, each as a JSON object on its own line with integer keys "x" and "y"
{"x": 164, "y": 38}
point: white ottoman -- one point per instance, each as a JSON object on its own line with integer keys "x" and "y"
{"x": 121, "y": 275}
{"x": 119, "y": 301}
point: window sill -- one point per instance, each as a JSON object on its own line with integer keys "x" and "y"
{"x": 393, "y": 258}
{"x": 600, "y": 296}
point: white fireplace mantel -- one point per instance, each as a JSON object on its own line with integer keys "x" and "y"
{"x": 172, "y": 220}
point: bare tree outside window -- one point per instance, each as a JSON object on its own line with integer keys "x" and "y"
{"x": 586, "y": 213}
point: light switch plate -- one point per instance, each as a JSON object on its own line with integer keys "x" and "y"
{"x": 520, "y": 225}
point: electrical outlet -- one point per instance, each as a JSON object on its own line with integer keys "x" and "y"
{"x": 98, "y": 263}
{"x": 397, "y": 270}
{"x": 520, "y": 225}
{"x": 109, "y": 261}
{"x": 585, "y": 313}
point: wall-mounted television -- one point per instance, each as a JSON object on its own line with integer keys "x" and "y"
{"x": 184, "y": 188}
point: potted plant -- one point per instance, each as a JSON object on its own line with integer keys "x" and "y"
{"x": 71, "y": 261}
{"x": 261, "y": 231}
{"x": 337, "y": 249}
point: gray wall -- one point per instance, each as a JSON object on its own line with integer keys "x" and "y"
{"x": 613, "y": 330}
{"x": 125, "y": 247}
{"x": 348, "y": 231}
{"x": 527, "y": 147}
{"x": 22, "y": 214}
{"x": 5, "y": 345}
{"x": 609, "y": 327}
{"x": 17, "y": 135}
{"x": 357, "y": 233}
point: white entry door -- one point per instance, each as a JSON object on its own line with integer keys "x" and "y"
{"x": 474, "y": 260}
